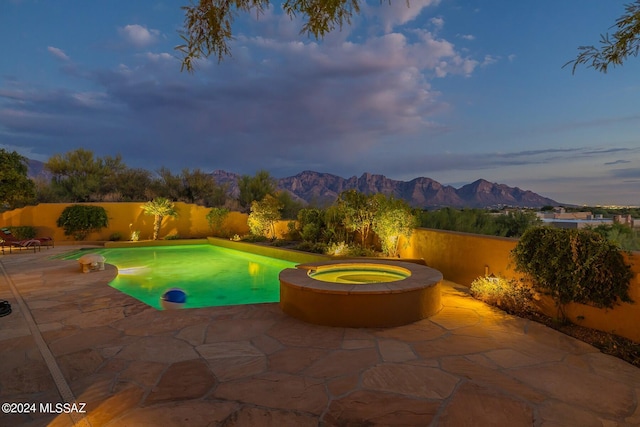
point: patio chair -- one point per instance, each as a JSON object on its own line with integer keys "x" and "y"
{"x": 7, "y": 239}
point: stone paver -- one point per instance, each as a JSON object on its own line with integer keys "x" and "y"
{"x": 252, "y": 365}
{"x": 186, "y": 380}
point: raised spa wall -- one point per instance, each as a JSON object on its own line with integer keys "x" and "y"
{"x": 361, "y": 305}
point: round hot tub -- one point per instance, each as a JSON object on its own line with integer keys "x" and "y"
{"x": 360, "y": 293}
{"x": 358, "y": 273}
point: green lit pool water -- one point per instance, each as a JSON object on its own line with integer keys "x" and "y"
{"x": 209, "y": 275}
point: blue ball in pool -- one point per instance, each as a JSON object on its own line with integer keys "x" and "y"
{"x": 173, "y": 298}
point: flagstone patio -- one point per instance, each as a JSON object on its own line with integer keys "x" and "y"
{"x": 71, "y": 337}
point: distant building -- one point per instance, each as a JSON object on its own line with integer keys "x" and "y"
{"x": 561, "y": 219}
{"x": 626, "y": 220}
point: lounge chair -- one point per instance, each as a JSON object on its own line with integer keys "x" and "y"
{"x": 8, "y": 240}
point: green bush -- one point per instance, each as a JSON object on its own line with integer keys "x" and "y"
{"x": 23, "y": 232}
{"x": 252, "y": 238}
{"x": 342, "y": 249}
{"x": 115, "y": 237}
{"x": 574, "y": 266}
{"x": 216, "y": 218}
{"x": 292, "y": 231}
{"x": 316, "y": 248}
{"x": 515, "y": 297}
{"x": 80, "y": 220}
{"x": 263, "y": 217}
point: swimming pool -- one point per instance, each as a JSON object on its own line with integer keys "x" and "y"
{"x": 210, "y": 275}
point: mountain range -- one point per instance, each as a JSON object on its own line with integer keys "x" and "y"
{"x": 322, "y": 189}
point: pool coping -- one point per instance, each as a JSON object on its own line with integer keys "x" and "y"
{"x": 268, "y": 251}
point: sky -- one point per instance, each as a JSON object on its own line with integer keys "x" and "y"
{"x": 453, "y": 90}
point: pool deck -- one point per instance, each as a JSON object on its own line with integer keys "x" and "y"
{"x": 71, "y": 336}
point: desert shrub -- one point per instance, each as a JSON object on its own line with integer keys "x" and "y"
{"x": 311, "y": 232}
{"x": 253, "y": 238}
{"x": 264, "y": 215}
{"x": 511, "y": 295}
{"x": 314, "y": 247}
{"x": 215, "y": 218}
{"x": 574, "y": 266}
{"x": 23, "y": 232}
{"x": 280, "y": 243}
{"x": 624, "y": 236}
{"x": 349, "y": 250}
{"x": 311, "y": 223}
{"x": 337, "y": 249}
{"x": 292, "y": 231}
{"x": 80, "y": 220}
{"x": 393, "y": 218}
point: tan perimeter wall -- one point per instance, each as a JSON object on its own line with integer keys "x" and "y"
{"x": 462, "y": 257}
{"x": 124, "y": 218}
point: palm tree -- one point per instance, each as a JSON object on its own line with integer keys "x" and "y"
{"x": 159, "y": 208}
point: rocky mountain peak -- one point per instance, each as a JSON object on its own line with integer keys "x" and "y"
{"x": 322, "y": 189}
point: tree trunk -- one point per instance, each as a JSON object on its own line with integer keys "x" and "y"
{"x": 156, "y": 226}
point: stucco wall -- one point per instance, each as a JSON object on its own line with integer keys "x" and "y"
{"x": 124, "y": 218}
{"x": 462, "y": 257}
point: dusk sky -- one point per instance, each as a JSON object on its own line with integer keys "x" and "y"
{"x": 453, "y": 90}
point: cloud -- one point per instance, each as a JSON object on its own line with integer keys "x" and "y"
{"x": 467, "y": 36}
{"x": 138, "y": 35}
{"x": 301, "y": 104}
{"x": 437, "y": 22}
{"x": 617, "y": 162}
{"x": 396, "y": 13}
{"x": 629, "y": 173}
{"x": 163, "y": 56}
{"x": 58, "y": 53}
{"x": 489, "y": 60}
